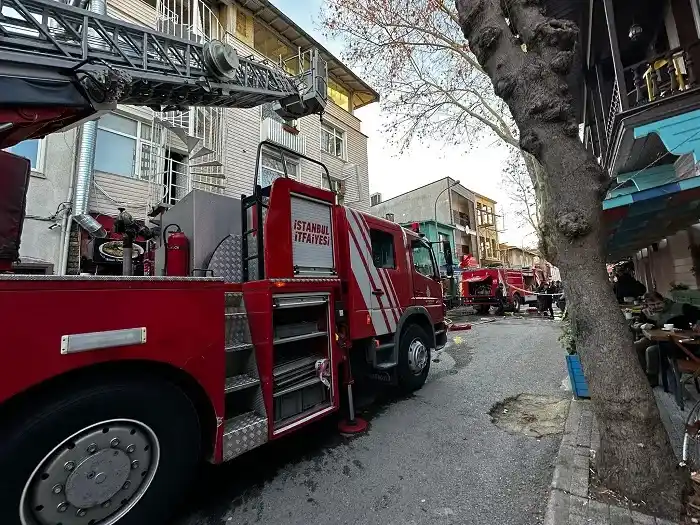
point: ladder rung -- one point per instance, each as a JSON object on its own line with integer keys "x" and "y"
{"x": 240, "y": 382}
{"x": 238, "y": 347}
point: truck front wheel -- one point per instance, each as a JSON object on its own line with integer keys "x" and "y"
{"x": 414, "y": 358}
{"x": 122, "y": 451}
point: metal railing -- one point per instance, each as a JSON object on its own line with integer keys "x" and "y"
{"x": 613, "y": 110}
{"x": 41, "y": 34}
{"x": 662, "y": 76}
{"x": 275, "y": 131}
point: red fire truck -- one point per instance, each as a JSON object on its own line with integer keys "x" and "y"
{"x": 479, "y": 288}
{"x": 113, "y": 389}
{"x": 479, "y": 285}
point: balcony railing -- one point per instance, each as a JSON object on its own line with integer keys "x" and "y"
{"x": 652, "y": 80}
{"x": 277, "y": 132}
{"x": 662, "y": 76}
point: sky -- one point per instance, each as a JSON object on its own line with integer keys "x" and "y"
{"x": 478, "y": 168}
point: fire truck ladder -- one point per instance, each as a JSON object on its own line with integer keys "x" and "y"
{"x": 118, "y": 62}
{"x": 254, "y": 211}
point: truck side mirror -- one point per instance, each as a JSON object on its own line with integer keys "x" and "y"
{"x": 447, "y": 253}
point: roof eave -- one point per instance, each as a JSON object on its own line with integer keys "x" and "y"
{"x": 341, "y": 73}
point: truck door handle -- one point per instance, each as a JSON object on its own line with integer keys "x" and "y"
{"x": 377, "y": 292}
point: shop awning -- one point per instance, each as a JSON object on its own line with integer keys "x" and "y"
{"x": 640, "y": 218}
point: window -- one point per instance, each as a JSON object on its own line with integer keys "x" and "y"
{"x": 375, "y": 199}
{"x": 123, "y": 146}
{"x": 383, "y": 253}
{"x": 241, "y": 24}
{"x": 339, "y": 94}
{"x": 271, "y": 168}
{"x": 29, "y": 149}
{"x": 267, "y": 43}
{"x": 332, "y": 140}
{"x": 423, "y": 259}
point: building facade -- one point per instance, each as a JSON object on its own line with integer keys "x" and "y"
{"x": 449, "y": 203}
{"x": 640, "y": 108}
{"x": 145, "y": 159}
{"x": 487, "y": 228}
{"x": 515, "y": 256}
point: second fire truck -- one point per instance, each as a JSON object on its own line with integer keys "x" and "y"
{"x": 105, "y": 418}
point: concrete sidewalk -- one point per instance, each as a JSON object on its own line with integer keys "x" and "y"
{"x": 569, "y": 501}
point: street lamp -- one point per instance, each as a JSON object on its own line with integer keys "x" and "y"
{"x": 452, "y": 185}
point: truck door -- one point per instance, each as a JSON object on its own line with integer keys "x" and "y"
{"x": 427, "y": 291}
{"x": 377, "y": 271}
{"x": 390, "y": 294}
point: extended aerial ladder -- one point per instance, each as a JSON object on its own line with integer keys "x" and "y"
{"x": 61, "y": 65}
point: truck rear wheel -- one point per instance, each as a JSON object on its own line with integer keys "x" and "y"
{"x": 414, "y": 358}
{"x": 118, "y": 452}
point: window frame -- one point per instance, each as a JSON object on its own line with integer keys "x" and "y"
{"x": 38, "y": 170}
{"x": 435, "y": 268}
{"x": 288, "y": 158}
{"x": 337, "y": 133}
{"x": 387, "y": 236}
{"x": 140, "y": 142}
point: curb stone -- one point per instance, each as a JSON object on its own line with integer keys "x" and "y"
{"x": 568, "y": 502}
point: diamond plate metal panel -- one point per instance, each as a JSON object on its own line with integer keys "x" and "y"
{"x": 243, "y": 433}
{"x": 259, "y": 401}
{"x": 240, "y": 382}
{"x": 234, "y": 302}
{"x": 225, "y": 262}
{"x": 237, "y": 330}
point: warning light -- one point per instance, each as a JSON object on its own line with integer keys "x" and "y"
{"x": 369, "y": 319}
{"x": 415, "y": 227}
{"x": 280, "y": 284}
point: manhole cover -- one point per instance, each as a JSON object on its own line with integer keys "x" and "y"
{"x": 531, "y": 415}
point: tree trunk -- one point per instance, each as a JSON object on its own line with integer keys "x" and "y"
{"x": 635, "y": 459}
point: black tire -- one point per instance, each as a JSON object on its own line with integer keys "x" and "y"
{"x": 517, "y": 303}
{"x": 162, "y": 406}
{"x": 483, "y": 308}
{"x": 409, "y": 381}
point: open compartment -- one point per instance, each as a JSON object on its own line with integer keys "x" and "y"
{"x": 301, "y": 346}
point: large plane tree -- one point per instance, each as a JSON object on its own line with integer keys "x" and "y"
{"x": 528, "y": 56}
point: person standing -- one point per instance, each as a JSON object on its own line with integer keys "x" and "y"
{"x": 500, "y": 299}
{"x": 549, "y": 298}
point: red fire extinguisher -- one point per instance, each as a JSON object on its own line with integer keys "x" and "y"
{"x": 177, "y": 252}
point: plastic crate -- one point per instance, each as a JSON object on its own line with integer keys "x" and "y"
{"x": 578, "y": 381}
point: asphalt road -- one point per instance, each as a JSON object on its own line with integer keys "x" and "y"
{"x": 432, "y": 458}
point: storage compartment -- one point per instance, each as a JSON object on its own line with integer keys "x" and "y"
{"x": 301, "y": 339}
{"x": 302, "y": 400}
{"x": 295, "y": 329}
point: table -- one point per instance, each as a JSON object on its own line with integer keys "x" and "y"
{"x": 680, "y": 339}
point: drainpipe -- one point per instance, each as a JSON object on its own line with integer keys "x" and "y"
{"x": 80, "y": 187}
{"x": 65, "y": 232}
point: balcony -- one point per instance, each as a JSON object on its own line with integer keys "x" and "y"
{"x": 282, "y": 134}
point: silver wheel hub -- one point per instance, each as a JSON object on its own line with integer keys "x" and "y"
{"x": 95, "y": 476}
{"x": 417, "y": 356}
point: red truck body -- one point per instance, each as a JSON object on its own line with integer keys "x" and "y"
{"x": 478, "y": 287}
{"x": 372, "y": 299}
